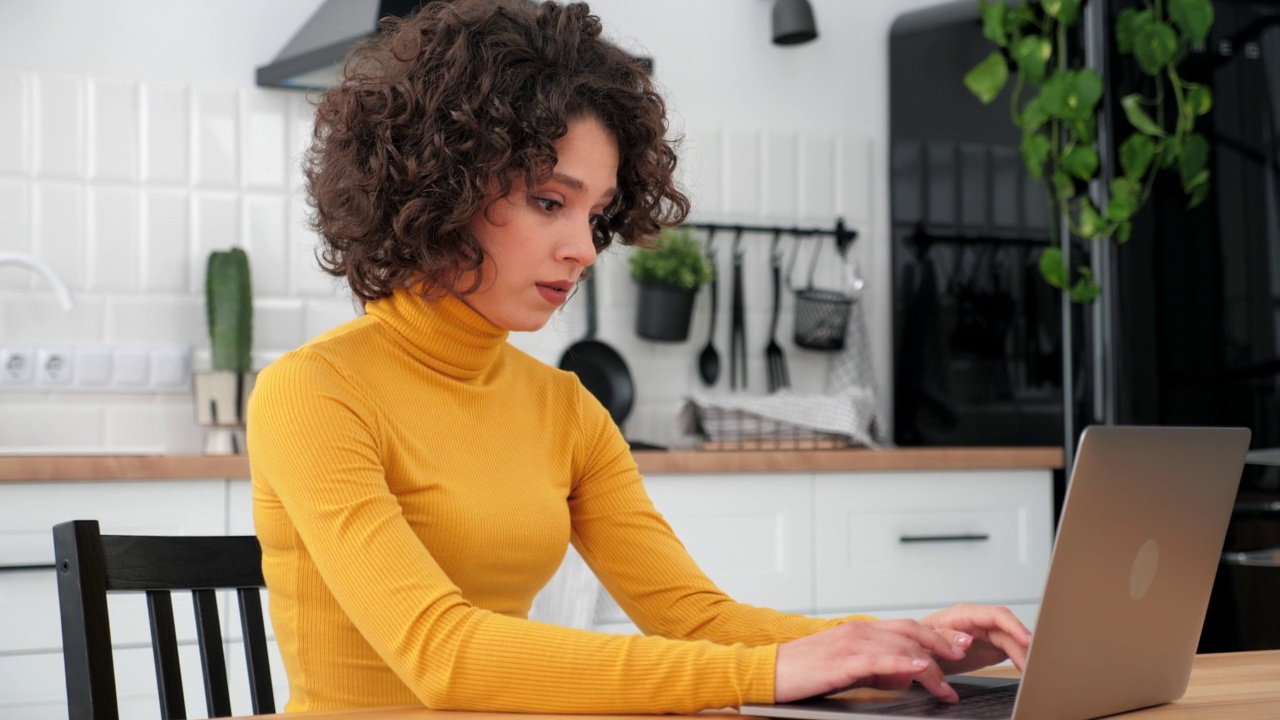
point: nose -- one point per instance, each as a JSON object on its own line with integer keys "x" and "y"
{"x": 579, "y": 245}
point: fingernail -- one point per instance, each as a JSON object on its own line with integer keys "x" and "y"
{"x": 922, "y": 664}
{"x": 962, "y": 640}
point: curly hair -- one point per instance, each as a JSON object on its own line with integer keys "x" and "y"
{"x": 441, "y": 105}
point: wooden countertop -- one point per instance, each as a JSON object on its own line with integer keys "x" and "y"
{"x": 1240, "y": 686}
{"x": 25, "y": 468}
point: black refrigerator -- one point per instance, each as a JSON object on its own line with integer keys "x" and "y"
{"x": 1192, "y": 336}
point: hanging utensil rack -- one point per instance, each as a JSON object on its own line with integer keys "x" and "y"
{"x": 844, "y": 235}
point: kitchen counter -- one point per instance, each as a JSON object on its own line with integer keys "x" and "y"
{"x": 25, "y": 468}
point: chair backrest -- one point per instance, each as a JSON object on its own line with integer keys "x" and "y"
{"x": 90, "y": 565}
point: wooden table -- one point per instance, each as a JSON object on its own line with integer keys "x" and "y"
{"x": 1230, "y": 686}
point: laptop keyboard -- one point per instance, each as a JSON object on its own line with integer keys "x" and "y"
{"x": 975, "y": 704}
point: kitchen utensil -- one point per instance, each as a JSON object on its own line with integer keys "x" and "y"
{"x": 738, "y": 338}
{"x": 775, "y": 360}
{"x": 709, "y": 359}
{"x": 601, "y": 369}
{"x": 822, "y": 316}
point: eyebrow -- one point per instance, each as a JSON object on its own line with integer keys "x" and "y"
{"x": 577, "y": 184}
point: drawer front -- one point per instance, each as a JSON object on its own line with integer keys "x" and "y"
{"x": 911, "y": 540}
{"x": 28, "y": 512}
{"x": 750, "y": 535}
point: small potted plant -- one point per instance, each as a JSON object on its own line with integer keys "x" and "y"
{"x": 669, "y": 274}
{"x": 223, "y": 391}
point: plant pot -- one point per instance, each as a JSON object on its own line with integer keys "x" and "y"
{"x": 222, "y": 398}
{"x": 663, "y": 312}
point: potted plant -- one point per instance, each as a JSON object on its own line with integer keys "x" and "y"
{"x": 669, "y": 274}
{"x": 223, "y": 391}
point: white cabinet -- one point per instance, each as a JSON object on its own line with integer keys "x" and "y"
{"x": 31, "y": 671}
{"x": 891, "y": 544}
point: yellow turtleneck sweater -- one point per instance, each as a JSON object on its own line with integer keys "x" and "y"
{"x": 416, "y": 481}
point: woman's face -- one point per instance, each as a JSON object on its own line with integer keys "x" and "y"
{"x": 537, "y": 240}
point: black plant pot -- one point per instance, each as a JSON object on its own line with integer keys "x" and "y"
{"x": 663, "y": 312}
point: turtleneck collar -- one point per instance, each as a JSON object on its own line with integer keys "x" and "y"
{"x": 444, "y": 333}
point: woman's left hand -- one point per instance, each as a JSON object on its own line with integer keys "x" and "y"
{"x": 988, "y": 634}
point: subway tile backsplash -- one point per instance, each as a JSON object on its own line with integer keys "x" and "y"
{"x": 124, "y": 188}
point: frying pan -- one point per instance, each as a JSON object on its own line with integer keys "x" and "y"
{"x": 599, "y": 367}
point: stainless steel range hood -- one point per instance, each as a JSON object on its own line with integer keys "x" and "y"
{"x": 313, "y": 58}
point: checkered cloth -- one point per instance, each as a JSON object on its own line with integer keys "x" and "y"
{"x": 847, "y": 410}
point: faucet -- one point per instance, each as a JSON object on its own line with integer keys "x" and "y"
{"x": 39, "y": 267}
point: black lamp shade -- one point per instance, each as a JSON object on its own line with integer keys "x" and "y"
{"x": 793, "y": 22}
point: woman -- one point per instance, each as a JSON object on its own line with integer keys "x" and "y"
{"x": 417, "y": 479}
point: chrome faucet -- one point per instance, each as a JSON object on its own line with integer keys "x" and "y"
{"x": 40, "y": 267}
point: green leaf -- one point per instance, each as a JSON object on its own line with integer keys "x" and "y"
{"x": 1193, "y": 17}
{"x": 1063, "y": 187}
{"x": 1081, "y": 161}
{"x": 1085, "y": 290}
{"x": 1090, "y": 221}
{"x": 1082, "y": 90}
{"x": 1085, "y": 129}
{"x": 1154, "y": 47}
{"x": 1033, "y": 115}
{"x": 1128, "y": 23}
{"x": 988, "y": 78}
{"x": 1064, "y": 11}
{"x": 1123, "y": 202}
{"x": 1052, "y": 269}
{"x": 1138, "y": 117}
{"x": 1136, "y": 154}
{"x": 1053, "y": 96}
{"x": 1194, "y": 161}
{"x": 1198, "y": 194}
{"x": 1170, "y": 150}
{"x": 994, "y": 21}
{"x": 1123, "y": 231}
{"x": 1198, "y": 100}
{"x": 1019, "y": 16}
{"x": 1035, "y": 151}
{"x": 1032, "y": 54}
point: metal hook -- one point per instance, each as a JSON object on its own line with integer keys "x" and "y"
{"x": 775, "y": 258}
{"x": 737, "y": 243}
{"x": 711, "y": 241}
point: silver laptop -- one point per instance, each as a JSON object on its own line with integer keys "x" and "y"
{"x": 1138, "y": 544}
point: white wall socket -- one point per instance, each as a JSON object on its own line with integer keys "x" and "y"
{"x": 144, "y": 369}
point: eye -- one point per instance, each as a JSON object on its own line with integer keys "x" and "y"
{"x": 547, "y": 204}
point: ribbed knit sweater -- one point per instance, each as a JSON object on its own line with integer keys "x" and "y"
{"x": 417, "y": 480}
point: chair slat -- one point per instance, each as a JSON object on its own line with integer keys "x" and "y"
{"x": 164, "y": 647}
{"x": 182, "y": 563}
{"x": 255, "y": 651}
{"x": 212, "y": 660}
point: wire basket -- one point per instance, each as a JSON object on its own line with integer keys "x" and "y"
{"x": 822, "y": 316}
{"x": 725, "y": 429}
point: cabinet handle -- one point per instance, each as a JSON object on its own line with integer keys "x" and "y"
{"x": 24, "y": 568}
{"x": 970, "y": 537}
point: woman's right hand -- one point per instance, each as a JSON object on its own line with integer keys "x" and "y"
{"x": 887, "y": 654}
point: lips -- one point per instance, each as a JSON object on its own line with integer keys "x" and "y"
{"x": 555, "y": 293}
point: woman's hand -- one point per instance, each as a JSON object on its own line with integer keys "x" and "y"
{"x": 988, "y": 635}
{"x": 882, "y": 654}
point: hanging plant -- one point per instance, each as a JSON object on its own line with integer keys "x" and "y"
{"x": 1054, "y": 101}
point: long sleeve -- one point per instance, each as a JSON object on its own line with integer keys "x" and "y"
{"x": 411, "y": 506}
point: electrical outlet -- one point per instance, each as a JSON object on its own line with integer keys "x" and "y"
{"x": 55, "y": 367}
{"x": 17, "y": 366}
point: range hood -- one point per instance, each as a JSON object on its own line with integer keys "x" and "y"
{"x": 313, "y": 58}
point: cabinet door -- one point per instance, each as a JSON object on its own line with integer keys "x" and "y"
{"x": 749, "y": 533}
{"x": 930, "y": 539}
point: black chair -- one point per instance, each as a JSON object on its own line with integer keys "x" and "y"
{"x": 90, "y": 565}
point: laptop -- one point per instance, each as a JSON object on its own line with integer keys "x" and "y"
{"x": 1138, "y": 544}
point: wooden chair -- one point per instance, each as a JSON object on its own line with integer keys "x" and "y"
{"x": 90, "y": 565}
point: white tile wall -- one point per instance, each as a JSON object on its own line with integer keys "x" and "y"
{"x": 126, "y": 187}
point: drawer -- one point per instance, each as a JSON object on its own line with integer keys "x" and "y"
{"x": 912, "y": 540}
{"x": 750, "y": 535}
{"x": 28, "y": 512}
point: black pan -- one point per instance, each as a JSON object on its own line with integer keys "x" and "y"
{"x": 599, "y": 367}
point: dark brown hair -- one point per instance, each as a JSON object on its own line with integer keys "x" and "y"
{"x": 442, "y": 104}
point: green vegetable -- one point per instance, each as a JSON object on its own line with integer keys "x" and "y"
{"x": 229, "y": 305}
